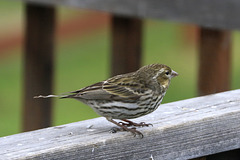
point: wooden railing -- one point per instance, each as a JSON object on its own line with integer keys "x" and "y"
{"x": 181, "y": 130}
{"x": 215, "y": 19}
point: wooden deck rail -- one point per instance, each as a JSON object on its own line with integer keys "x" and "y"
{"x": 181, "y": 130}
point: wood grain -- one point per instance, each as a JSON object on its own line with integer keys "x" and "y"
{"x": 181, "y": 130}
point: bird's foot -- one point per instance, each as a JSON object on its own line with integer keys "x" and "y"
{"x": 130, "y": 123}
{"x": 133, "y": 130}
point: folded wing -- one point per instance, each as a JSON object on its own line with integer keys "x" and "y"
{"x": 112, "y": 89}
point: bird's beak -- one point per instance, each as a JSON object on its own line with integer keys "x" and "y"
{"x": 174, "y": 74}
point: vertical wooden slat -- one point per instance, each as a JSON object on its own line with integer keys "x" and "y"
{"x": 38, "y": 65}
{"x": 215, "y": 63}
{"x": 126, "y": 44}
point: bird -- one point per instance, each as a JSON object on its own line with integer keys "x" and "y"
{"x": 126, "y": 96}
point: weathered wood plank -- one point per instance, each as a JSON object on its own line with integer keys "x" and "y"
{"x": 38, "y": 65}
{"x": 214, "y": 13}
{"x": 181, "y": 130}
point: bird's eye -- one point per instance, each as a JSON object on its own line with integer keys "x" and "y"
{"x": 167, "y": 73}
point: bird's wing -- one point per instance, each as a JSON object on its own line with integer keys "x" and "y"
{"x": 124, "y": 89}
{"x": 112, "y": 89}
{"x": 94, "y": 91}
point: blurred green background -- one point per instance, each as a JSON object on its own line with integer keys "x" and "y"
{"x": 83, "y": 57}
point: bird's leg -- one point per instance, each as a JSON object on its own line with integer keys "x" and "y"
{"x": 130, "y": 123}
{"x": 134, "y": 131}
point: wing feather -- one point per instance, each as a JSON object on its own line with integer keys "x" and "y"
{"x": 116, "y": 88}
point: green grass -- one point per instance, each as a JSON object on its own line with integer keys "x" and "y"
{"x": 10, "y": 96}
{"x": 81, "y": 61}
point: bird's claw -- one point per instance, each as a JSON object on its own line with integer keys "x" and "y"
{"x": 133, "y": 130}
{"x": 130, "y": 123}
{"x": 125, "y": 124}
{"x": 143, "y": 124}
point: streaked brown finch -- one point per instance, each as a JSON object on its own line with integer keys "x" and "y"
{"x": 126, "y": 96}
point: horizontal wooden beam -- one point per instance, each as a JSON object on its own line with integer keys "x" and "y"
{"x": 222, "y": 14}
{"x": 181, "y": 130}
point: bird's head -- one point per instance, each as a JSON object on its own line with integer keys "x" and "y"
{"x": 158, "y": 73}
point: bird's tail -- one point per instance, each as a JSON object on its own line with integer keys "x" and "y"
{"x": 52, "y": 96}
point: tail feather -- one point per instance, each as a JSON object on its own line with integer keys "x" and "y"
{"x": 52, "y": 96}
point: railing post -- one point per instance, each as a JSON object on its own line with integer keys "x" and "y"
{"x": 214, "y": 61}
{"x": 126, "y": 44}
{"x": 38, "y": 65}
